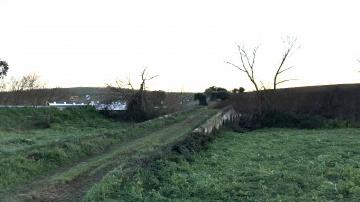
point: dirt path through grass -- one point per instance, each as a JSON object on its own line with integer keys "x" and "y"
{"x": 71, "y": 183}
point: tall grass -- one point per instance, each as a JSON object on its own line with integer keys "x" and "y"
{"x": 38, "y": 118}
{"x": 264, "y": 165}
{"x": 28, "y": 151}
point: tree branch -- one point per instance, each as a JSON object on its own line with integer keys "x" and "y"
{"x": 290, "y": 45}
{"x": 286, "y": 80}
{"x": 247, "y": 64}
{"x": 235, "y": 66}
{"x": 286, "y": 69}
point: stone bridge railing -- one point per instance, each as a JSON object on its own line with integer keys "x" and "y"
{"x": 226, "y": 115}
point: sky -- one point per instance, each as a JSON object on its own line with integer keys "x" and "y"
{"x": 91, "y": 42}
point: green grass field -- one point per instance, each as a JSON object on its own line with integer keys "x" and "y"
{"x": 79, "y": 155}
{"x": 60, "y": 157}
{"x": 263, "y": 165}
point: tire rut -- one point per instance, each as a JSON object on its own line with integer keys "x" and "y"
{"x": 47, "y": 189}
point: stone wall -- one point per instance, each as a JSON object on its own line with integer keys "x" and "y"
{"x": 226, "y": 115}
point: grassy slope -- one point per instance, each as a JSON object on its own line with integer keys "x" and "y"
{"x": 74, "y": 134}
{"x": 263, "y": 165}
{"x": 93, "y": 170}
{"x": 34, "y": 152}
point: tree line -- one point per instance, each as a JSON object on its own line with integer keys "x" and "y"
{"x": 27, "y": 82}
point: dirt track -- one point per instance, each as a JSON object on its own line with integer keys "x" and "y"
{"x": 71, "y": 183}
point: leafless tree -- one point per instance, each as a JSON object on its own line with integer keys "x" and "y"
{"x": 140, "y": 94}
{"x": 27, "y": 82}
{"x": 144, "y": 78}
{"x": 2, "y": 85}
{"x": 290, "y": 42}
{"x": 120, "y": 84}
{"x": 247, "y": 64}
{"x": 137, "y": 107}
{"x": 128, "y": 85}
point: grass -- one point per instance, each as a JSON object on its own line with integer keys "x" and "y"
{"x": 29, "y": 150}
{"x": 263, "y": 165}
{"x": 137, "y": 147}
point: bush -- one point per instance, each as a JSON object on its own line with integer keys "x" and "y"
{"x": 290, "y": 120}
{"x": 215, "y": 93}
{"x": 240, "y": 90}
{"x": 201, "y": 97}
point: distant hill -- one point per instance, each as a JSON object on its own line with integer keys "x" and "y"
{"x": 80, "y": 94}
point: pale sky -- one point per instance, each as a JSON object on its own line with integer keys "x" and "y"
{"x": 91, "y": 42}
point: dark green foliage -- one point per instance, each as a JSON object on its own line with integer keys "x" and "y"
{"x": 276, "y": 119}
{"x": 135, "y": 110}
{"x": 291, "y": 120}
{"x": 215, "y": 93}
{"x": 4, "y": 67}
{"x": 193, "y": 143}
{"x": 222, "y": 95}
{"x": 201, "y": 97}
{"x": 238, "y": 90}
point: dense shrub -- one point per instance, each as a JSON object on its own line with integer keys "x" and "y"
{"x": 214, "y": 93}
{"x": 291, "y": 120}
{"x": 238, "y": 90}
{"x": 201, "y": 97}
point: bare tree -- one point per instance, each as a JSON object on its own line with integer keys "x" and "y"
{"x": 144, "y": 78}
{"x": 2, "y": 85}
{"x": 140, "y": 94}
{"x": 247, "y": 64}
{"x": 124, "y": 88}
{"x": 137, "y": 107}
{"x": 27, "y": 82}
{"x": 291, "y": 41}
{"x": 120, "y": 84}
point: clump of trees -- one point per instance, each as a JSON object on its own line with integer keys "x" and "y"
{"x": 238, "y": 90}
{"x": 214, "y": 93}
{"x": 26, "y": 82}
{"x": 14, "y": 90}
